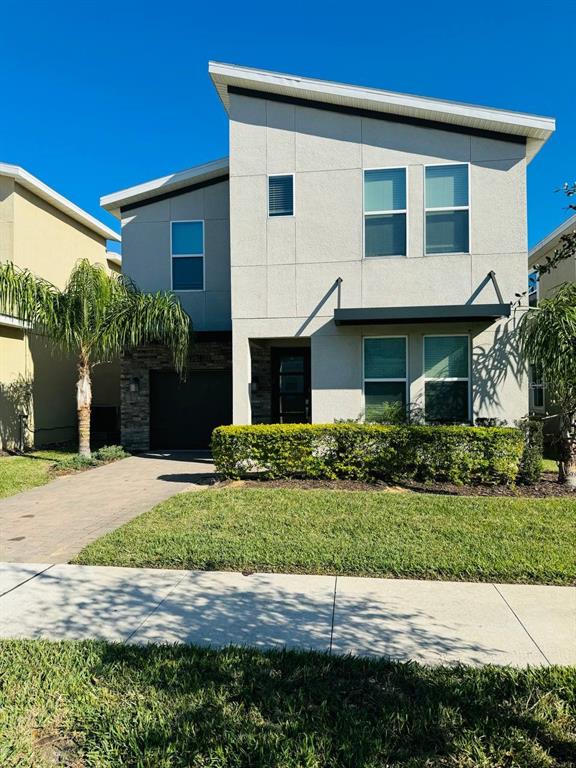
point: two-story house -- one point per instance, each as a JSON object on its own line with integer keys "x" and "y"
{"x": 358, "y": 251}
{"x": 44, "y": 232}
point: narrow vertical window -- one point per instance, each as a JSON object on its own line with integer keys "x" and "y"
{"x": 533, "y": 289}
{"x": 281, "y": 195}
{"x": 385, "y": 212}
{"x": 447, "y": 379}
{"x": 536, "y": 388}
{"x": 447, "y": 209}
{"x": 385, "y": 378}
{"x": 187, "y": 255}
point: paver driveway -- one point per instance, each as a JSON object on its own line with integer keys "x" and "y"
{"x": 52, "y": 523}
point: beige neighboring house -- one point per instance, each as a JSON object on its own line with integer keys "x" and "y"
{"x": 542, "y": 287}
{"x": 46, "y": 233}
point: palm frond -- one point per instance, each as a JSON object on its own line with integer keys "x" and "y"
{"x": 31, "y": 299}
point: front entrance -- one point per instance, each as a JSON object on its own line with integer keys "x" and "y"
{"x": 291, "y": 393}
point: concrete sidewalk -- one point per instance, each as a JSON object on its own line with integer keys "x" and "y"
{"x": 52, "y": 523}
{"x": 431, "y": 622}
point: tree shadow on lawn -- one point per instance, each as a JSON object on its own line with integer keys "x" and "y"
{"x": 280, "y": 708}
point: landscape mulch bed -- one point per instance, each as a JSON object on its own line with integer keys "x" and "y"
{"x": 547, "y": 487}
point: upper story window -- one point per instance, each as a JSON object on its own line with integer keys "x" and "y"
{"x": 385, "y": 377}
{"x": 533, "y": 289}
{"x": 385, "y": 212}
{"x": 447, "y": 379}
{"x": 281, "y": 195}
{"x": 447, "y": 209}
{"x": 187, "y": 255}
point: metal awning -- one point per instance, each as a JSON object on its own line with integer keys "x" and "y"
{"x": 443, "y": 313}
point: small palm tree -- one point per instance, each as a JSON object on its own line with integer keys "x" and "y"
{"x": 96, "y": 317}
{"x": 548, "y": 339}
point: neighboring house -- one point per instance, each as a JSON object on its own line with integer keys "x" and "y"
{"x": 540, "y": 287}
{"x": 46, "y": 233}
{"x": 359, "y": 248}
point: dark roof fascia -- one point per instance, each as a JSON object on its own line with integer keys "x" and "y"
{"x": 374, "y": 114}
{"x": 174, "y": 193}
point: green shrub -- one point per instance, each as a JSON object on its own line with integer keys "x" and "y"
{"x": 76, "y": 462}
{"x": 110, "y": 453}
{"x": 533, "y": 453}
{"x": 370, "y": 451}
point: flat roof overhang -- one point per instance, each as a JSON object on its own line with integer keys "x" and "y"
{"x": 447, "y": 313}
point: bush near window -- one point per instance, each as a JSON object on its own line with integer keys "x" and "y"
{"x": 366, "y": 452}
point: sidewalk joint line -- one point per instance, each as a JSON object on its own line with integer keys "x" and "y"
{"x": 522, "y": 624}
{"x": 153, "y": 611}
{"x": 27, "y": 580}
{"x": 333, "y": 614}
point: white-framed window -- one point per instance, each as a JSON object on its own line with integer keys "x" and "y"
{"x": 537, "y": 389}
{"x": 281, "y": 194}
{"x": 385, "y": 377}
{"x": 447, "y": 379}
{"x": 533, "y": 286}
{"x": 385, "y": 212}
{"x": 447, "y": 208}
{"x": 187, "y": 255}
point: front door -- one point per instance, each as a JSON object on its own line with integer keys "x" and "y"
{"x": 291, "y": 385}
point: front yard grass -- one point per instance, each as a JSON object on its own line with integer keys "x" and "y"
{"x": 19, "y": 473}
{"x": 358, "y": 533}
{"x": 104, "y": 705}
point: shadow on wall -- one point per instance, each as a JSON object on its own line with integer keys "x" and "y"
{"x": 16, "y": 398}
{"x": 493, "y": 364}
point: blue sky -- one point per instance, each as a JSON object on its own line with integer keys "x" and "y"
{"x": 105, "y": 95}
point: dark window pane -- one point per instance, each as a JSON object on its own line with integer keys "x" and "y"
{"x": 382, "y": 396}
{"x": 292, "y": 383}
{"x": 187, "y": 274}
{"x": 386, "y": 235}
{"x": 385, "y": 358}
{"x": 446, "y": 357}
{"x": 447, "y": 232}
{"x": 446, "y": 401}
{"x": 292, "y": 364}
{"x": 187, "y": 237}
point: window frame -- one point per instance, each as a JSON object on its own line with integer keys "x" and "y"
{"x": 455, "y": 208}
{"x": 383, "y": 213}
{"x": 468, "y": 379}
{"x": 188, "y": 256}
{"x": 280, "y": 215}
{"x": 540, "y": 387}
{"x": 406, "y": 379}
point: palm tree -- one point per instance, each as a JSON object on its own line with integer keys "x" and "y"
{"x": 548, "y": 339}
{"x": 96, "y": 317}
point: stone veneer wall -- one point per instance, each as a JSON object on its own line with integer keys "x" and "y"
{"x": 261, "y": 397}
{"x": 212, "y": 351}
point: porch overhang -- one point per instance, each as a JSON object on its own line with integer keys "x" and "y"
{"x": 443, "y": 313}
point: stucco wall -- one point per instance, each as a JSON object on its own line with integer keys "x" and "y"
{"x": 146, "y": 251}
{"x": 38, "y": 237}
{"x": 284, "y": 269}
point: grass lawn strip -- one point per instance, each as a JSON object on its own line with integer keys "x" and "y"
{"x": 91, "y": 703}
{"x": 19, "y": 473}
{"x": 351, "y": 533}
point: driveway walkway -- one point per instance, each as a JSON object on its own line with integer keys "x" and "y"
{"x": 52, "y": 523}
{"x": 429, "y": 621}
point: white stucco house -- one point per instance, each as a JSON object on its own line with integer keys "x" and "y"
{"x": 356, "y": 248}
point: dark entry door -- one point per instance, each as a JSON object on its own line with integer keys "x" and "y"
{"x": 184, "y": 413}
{"x": 291, "y": 385}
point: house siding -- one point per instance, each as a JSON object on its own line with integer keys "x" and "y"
{"x": 284, "y": 270}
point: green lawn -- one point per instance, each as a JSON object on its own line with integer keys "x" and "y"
{"x": 19, "y": 473}
{"x": 109, "y": 706}
{"x": 351, "y": 532}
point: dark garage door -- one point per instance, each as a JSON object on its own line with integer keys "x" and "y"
{"x": 184, "y": 413}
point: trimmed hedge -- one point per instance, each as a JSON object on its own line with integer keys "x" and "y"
{"x": 469, "y": 455}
